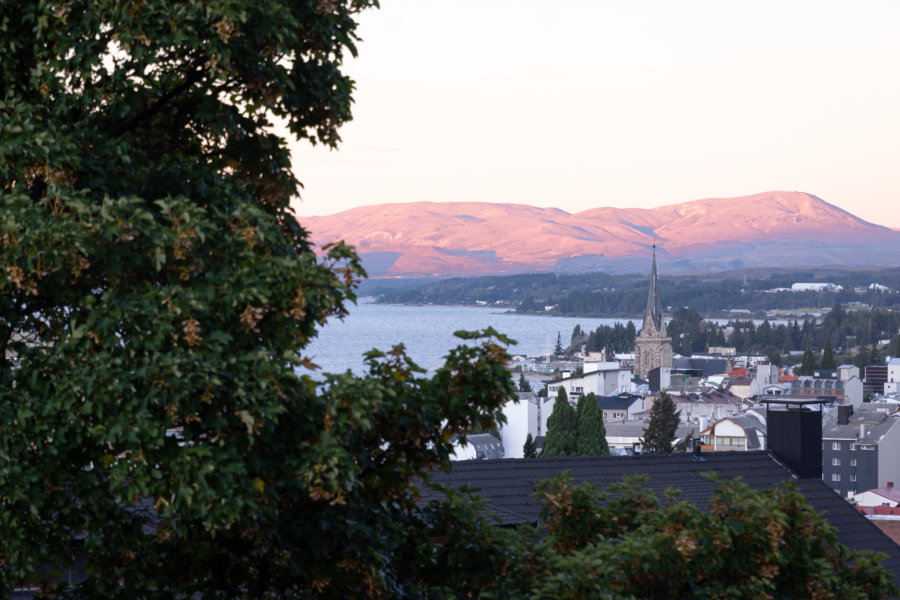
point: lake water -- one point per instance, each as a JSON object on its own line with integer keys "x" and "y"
{"x": 427, "y": 332}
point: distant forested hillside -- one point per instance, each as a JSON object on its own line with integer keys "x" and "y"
{"x": 600, "y": 294}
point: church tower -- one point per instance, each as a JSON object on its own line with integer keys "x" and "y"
{"x": 652, "y": 347}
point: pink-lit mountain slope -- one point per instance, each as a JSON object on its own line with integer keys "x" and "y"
{"x": 474, "y": 238}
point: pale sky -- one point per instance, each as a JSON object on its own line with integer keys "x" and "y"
{"x": 577, "y": 104}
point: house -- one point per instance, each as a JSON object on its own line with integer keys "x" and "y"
{"x": 883, "y": 496}
{"x": 742, "y": 387}
{"x": 860, "y": 449}
{"x": 477, "y": 446}
{"x": 625, "y": 435}
{"x": 709, "y": 406}
{"x": 742, "y": 434}
{"x": 621, "y": 407}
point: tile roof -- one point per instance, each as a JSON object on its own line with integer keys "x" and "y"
{"x": 509, "y": 486}
{"x": 889, "y": 492}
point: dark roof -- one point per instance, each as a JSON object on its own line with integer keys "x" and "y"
{"x": 620, "y": 401}
{"x": 704, "y": 366}
{"x": 509, "y": 485}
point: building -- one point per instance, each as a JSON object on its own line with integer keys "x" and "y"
{"x": 652, "y": 347}
{"x": 883, "y": 496}
{"x": 708, "y": 406}
{"x": 860, "y": 449}
{"x": 522, "y": 417}
{"x": 816, "y": 287}
{"x": 892, "y": 385}
{"x": 599, "y": 378}
{"x": 621, "y": 407}
{"x": 477, "y": 446}
{"x": 735, "y": 433}
{"x": 828, "y": 387}
{"x": 875, "y": 378}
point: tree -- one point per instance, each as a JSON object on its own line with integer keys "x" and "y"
{"x": 808, "y": 363}
{"x": 156, "y": 297}
{"x": 659, "y": 436}
{"x": 562, "y": 428}
{"x": 529, "y": 450}
{"x": 558, "y": 350}
{"x": 628, "y": 542}
{"x": 524, "y": 385}
{"x": 590, "y": 439}
{"x": 828, "y": 355}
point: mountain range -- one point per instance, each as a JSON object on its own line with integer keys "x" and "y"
{"x": 784, "y": 229}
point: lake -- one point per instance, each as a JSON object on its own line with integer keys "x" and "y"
{"x": 427, "y": 332}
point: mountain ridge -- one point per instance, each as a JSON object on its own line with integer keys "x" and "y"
{"x": 477, "y": 238}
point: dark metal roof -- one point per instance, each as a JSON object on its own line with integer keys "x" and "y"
{"x": 619, "y": 401}
{"x": 509, "y": 486}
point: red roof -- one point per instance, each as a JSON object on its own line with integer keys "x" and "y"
{"x": 787, "y": 378}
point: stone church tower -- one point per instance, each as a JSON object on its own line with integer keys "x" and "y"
{"x": 652, "y": 347}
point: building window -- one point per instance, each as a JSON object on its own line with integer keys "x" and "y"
{"x": 852, "y": 462}
{"x": 835, "y": 445}
{"x": 853, "y": 477}
{"x": 835, "y": 476}
{"x": 835, "y": 462}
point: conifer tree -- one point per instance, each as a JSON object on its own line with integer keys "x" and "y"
{"x": 828, "y": 356}
{"x": 562, "y": 428}
{"x": 524, "y": 385}
{"x": 558, "y": 350}
{"x": 808, "y": 364}
{"x": 590, "y": 439}
{"x": 529, "y": 450}
{"x": 659, "y": 436}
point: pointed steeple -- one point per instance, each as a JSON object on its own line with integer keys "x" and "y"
{"x": 653, "y": 313}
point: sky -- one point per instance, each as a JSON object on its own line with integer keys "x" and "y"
{"x": 578, "y": 104}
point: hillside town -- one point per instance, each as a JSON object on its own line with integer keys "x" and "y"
{"x": 724, "y": 401}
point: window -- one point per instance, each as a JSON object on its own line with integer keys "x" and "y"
{"x": 835, "y": 476}
{"x": 835, "y": 462}
{"x": 853, "y": 477}
{"x": 835, "y": 445}
{"x": 852, "y": 462}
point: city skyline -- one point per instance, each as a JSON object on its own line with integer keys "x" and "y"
{"x": 578, "y": 105}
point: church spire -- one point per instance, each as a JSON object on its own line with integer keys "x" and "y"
{"x": 653, "y": 313}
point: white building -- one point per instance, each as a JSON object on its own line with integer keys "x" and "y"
{"x": 892, "y": 385}
{"x": 599, "y": 378}
{"x": 816, "y": 287}
{"x": 522, "y": 417}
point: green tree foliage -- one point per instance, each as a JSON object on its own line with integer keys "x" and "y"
{"x": 590, "y": 439}
{"x": 808, "y": 364}
{"x": 529, "y": 450}
{"x": 659, "y": 436}
{"x": 157, "y": 296}
{"x": 562, "y": 428}
{"x": 828, "y": 356}
{"x": 630, "y": 543}
{"x": 558, "y": 350}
